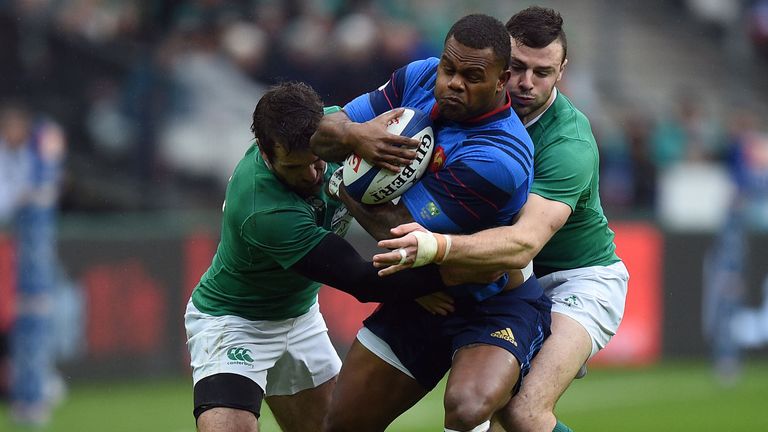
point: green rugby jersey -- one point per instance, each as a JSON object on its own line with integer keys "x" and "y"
{"x": 566, "y": 166}
{"x": 266, "y": 228}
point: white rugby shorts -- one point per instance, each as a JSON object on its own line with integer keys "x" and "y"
{"x": 593, "y": 296}
{"x": 283, "y": 357}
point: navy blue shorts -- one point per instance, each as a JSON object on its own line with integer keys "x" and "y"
{"x": 517, "y": 321}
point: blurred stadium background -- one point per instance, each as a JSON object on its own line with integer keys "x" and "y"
{"x": 155, "y": 99}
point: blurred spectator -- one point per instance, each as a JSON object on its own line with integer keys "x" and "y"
{"x": 628, "y": 175}
{"x": 31, "y": 154}
{"x": 154, "y": 90}
{"x": 748, "y": 161}
{"x": 203, "y": 134}
{"x": 643, "y": 169}
{"x": 354, "y": 43}
{"x": 719, "y": 15}
{"x": 688, "y": 134}
{"x": 757, "y": 26}
{"x": 728, "y": 325}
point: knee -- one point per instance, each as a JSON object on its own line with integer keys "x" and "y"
{"x": 521, "y": 414}
{"x": 464, "y": 410}
{"x": 217, "y": 419}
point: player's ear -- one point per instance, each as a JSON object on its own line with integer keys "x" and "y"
{"x": 504, "y": 77}
{"x": 562, "y": 69}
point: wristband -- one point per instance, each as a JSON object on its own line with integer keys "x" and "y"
{"x": 443, "y": 247}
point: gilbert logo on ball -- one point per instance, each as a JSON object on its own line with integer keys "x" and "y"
{"x": 373, "y": 185}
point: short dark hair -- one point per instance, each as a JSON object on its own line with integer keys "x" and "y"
{"x": 480, "y": 31}
{"x": 288, "y": 113}
{"x": 537, "y": 27}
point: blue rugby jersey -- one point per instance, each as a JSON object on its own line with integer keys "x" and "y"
{"x": 481, "y": 169}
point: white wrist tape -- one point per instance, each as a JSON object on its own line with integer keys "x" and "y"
{"x": 426, "y": 248}
{"x": 448, "y": 249}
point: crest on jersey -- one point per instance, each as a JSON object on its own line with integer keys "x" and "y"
{"x": 438, "y": 160}
{"x": 430, "y": 210}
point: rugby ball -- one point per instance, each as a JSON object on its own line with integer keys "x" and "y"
{"x": 370, "y": 184}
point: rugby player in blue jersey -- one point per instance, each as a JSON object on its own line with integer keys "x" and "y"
{"x": 562, "y": 225}
{"x": 480, "y": 177}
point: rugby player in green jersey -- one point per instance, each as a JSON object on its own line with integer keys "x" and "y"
{"x": 561, "y": 227}
{"x": 253, "y": 325}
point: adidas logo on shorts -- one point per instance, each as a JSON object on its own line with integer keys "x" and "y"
{"x": 505, "y": 334}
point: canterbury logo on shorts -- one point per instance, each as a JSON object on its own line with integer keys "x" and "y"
{"x": 240, "y": 354}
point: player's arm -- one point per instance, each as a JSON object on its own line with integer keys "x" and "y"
{"x": 516, "y": 245}
{"x": 499, "y": 248}
{"x": 563, "y": 172}
{"x": 337, "y": 136}
{"x": 376, "y": 219}
{"x": 494, "y": 249}
{"x": 336, "y": 263}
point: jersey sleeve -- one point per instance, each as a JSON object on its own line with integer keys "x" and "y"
{"x": 564, "y": 170}
{"x": 392, "y": 94}
{"x": 468, "y": 194}
{"x": 292, "y": 233}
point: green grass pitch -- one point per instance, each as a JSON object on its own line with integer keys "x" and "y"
{"x": 671, "y": 397}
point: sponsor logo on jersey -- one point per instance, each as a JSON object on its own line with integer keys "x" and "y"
{"x": 505, "y": 334}
{"x": 430, "y": 210}
{"x": 240, "y": 355}
{"x": 438, "y": 160}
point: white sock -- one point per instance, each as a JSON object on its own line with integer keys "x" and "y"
{"x": 482, "y": 427}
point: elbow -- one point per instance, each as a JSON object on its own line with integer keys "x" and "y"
{"x": 524, "y": 255}
{"x": 364, "y": 298}
{"x": 367, "y": 295}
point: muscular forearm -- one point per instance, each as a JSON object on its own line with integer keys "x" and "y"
{"x": 376, "y": 219}
{"x": 512, "y": 246}
{"x": 331, "y": 141}
{"x": 495, "y": 249}
{"x": 335, "y": 263}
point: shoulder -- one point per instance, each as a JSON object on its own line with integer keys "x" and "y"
{"x": 420, "y": 71}
{"x": 565, "y": 121}
{"x": 425, "y": 65}
{"x": 253, "y": 190}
